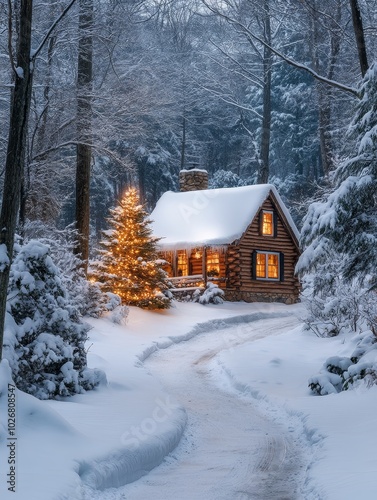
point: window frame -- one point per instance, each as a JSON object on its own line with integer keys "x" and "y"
{"x": 266, "y": 253}
{"x": 273, "y": 223}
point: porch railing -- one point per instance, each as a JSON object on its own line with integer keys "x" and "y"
{"x": 193, "y": 281}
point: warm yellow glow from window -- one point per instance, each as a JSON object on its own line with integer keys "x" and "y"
{"x": 267, "y": 266}
{"x": 182, "y": 265}
{"x": 213, "y": 264}
{"x": 273, "y": 266}
{"x": 261, "y": 265}
{"x": 267, "y": 224}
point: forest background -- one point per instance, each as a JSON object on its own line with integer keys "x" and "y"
{"x": 175, "y": 84}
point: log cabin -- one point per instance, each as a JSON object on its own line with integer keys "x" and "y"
{"x": 242, "y": 238}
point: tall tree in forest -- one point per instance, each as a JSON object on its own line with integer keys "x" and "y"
{"x": 325, "y": 46}
{"x": 359, "y": 35}
{"x": 20, "y": 107}
{"x": 264, "y": 162}
{"x": 83, "y": 121}
{"x": 255, "y": 69}
{"x": 23, "y": 69}
{"x": 39, "y": 198}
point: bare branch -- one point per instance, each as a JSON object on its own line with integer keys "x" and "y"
{"x": 246, "y": 74}
{"x": 35, "y": 53}
{"x": 288, "y": 60}
{"x": 101, "y": 149}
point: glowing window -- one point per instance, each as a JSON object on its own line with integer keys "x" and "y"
{"x": 267, "y": 223}
{"x": 267, "y": 266}
{"x": 213, "y": 264}
{"x": 182, "y": 264}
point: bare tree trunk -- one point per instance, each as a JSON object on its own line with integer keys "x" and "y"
{"x": 359, "y": 34}
{"x": 325, "y": 93}
{"x": 324, "y": 124}
{"x": 19, "y": 116}
{"x": 183, "y": 144}
{"x": 264, "y": 168}
{"x": 84, "y": 114}
{"x": 141, "y": 171}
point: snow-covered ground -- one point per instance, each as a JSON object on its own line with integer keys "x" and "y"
{"x": 217, "y": 395}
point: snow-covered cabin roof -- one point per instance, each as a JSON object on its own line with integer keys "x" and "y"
{"x": 208, "y": 217}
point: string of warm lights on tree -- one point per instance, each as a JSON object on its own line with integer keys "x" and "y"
{"x": 128, "y": 265}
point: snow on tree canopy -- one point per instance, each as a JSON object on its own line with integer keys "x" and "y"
{"x": 209, "y": 216}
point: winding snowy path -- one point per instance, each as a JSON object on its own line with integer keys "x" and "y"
{"x": 229, "y": 451}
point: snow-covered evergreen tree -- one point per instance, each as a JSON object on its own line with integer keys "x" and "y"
{"x": 45, "y": 338}
{"x": 225, "y": 178}
{"x": 340, "y": 232}
{"x": 346, "y": 222}
{"x": 129, "y": 265}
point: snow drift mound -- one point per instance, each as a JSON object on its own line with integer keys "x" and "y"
{"x": 137, "y": 459}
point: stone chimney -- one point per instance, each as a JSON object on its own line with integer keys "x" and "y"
{"x": 193, "y": 180}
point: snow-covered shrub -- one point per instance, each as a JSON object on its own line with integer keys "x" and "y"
{"x": 330, "y": 380}
{"x": 86, "y": 297}
{"x": 44, "y": 338}
{"x": 343, "y": 373}
{"x": 334, "y": 304}
{"x": 211, "y": 294}
{"x": 96, "y": 301}
{"x": 325, "y": 383}
{"x": 349, "y": 308}
{"x": 113, "y": 301}
{"x": 120, "y": 315}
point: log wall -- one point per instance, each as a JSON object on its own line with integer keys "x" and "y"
{"x": 241, "y": 285}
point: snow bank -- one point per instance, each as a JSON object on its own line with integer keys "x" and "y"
{"x": 127, "y": 465}
{"x": 43, "y": 445}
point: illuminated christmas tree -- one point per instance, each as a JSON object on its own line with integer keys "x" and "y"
{"x": 129, "y": 264}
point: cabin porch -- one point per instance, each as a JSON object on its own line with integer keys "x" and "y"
{"x": 195, "y": 267}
